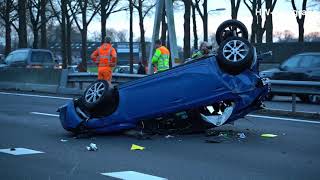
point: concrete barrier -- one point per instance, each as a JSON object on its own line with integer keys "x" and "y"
{"x": 27, "y": 79}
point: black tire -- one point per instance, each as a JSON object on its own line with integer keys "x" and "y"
{"x": 242, "y": 58}
{"x": 225, "y": 30}
{"x": 106, "y": 102}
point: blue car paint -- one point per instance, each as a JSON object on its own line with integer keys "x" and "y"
{"x": 192, "y": 85}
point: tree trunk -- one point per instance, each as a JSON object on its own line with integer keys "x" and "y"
{"x": 269, "y": 29}
{"x": 235, "y": 8}
{"x": 301, "y": 31}
{"x": 253, "y": 30}
{"x": 44, "y": 40}
{"x": 131, "y": 36}
{"x": 22, "y": 31}
{"x": 68, "y": 40}
{"x": 205, "y": 20}
{"x": 269, "y": 23}
{"x": 186, "y": 25}
{"x": 8, "y": 27}
{"x": 84, "y": 49}
{"x": 164, "y": 27}
{"x": 260, "y": 31}
{"x": 8, "y": 39}
{"x": 195, "y": 33}
{"x": 35, "y": 38}
{"x": 142, "y": 38}
{"x": 103, "y": 20}
{"x": 63, "y": 33}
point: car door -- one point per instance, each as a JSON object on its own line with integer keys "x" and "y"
{"x": 312, "y": 68}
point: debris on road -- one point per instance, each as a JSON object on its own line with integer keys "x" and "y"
{"x": 136, "y": 147}
{"x": 92, "y": 147}
{"x": 216, "y": 139}
{"x": 63, "y": 140}
{"x": 241, "y": 135}
{"x": 12, "y": 149}
{"x": 169, "y": 136}
{"x": 269, "y": 135}
{"x": 212, "y": 141}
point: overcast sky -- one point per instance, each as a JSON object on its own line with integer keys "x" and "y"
{"x": 283, "y": 19}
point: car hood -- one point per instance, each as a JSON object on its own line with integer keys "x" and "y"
{"x": 269, "y": 73}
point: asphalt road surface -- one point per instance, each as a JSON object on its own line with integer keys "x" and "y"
{"x": 293, "y": 154}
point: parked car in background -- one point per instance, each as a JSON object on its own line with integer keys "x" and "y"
{"x": 30, "y": 58}
{"x": 300, "y": 67}
{"x": 126, "y": 69}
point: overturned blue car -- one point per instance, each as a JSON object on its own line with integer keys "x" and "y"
{"x": 207, "y": 92}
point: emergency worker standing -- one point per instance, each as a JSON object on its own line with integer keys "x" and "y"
{"x": 106, "y": 58}
{"x": 161, "y": 57}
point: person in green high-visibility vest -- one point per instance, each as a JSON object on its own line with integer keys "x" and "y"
{"x": 204, "y": 50}
{"x": 161, "y": 57}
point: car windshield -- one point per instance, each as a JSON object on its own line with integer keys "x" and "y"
{"x": 17, "y": 56}
{"x": 291, "y": 63}
{"x": 310, "y": 61}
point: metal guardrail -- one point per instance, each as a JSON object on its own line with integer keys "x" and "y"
{"x": 117, "y": 78}
{"x": 295, "y": 88}
{"x": 277, "y": 86}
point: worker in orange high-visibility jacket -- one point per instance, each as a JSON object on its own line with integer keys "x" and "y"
{"x": 106, "y": 58}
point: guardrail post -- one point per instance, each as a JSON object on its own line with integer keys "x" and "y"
{"x": 81, "y": 85}
{"x": 294, "y": 101}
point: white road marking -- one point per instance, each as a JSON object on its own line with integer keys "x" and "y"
{"x": 45, "y": 114}
{"x": 34, "y": 95}
{"x": 19, "y": 151}
{"x": 132, "y": 175}
{"x": 285, "y": 119}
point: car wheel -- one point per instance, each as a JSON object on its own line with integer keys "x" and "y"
{"x": 231, "y": 28}
{"x": 235, "y": 55}
{"x": 100, "y": 99}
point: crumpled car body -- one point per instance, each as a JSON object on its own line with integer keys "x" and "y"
{"x": 195, "y": 85}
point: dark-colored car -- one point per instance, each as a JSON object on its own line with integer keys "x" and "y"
{"x": 300, "y": 67}
{"x": 29, "y": 58}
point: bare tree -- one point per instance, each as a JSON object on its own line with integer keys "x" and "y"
{"x": 203, "y": 15}
{"x": 253, "y": 10}
{"x": 143, "y": 7}
{"x": 194, "y": 22}
{"x": 87, "y": 10}
{"x": 270, "y": 4}
{"x": 312, "y": 37}
{"x": 235, "y": 5}
{"x": 22, "y": 30}
{"x": 34, "y": 13}
{"x": 43, "y": 26}
{"x": 186, "y": 25}
{"x": 107, "y": 8}
{"x": 131, "y": 35}
{"x": 7, "y": 14}
{"x": 300, "y": 16}
{"x": 286, "y": 36}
